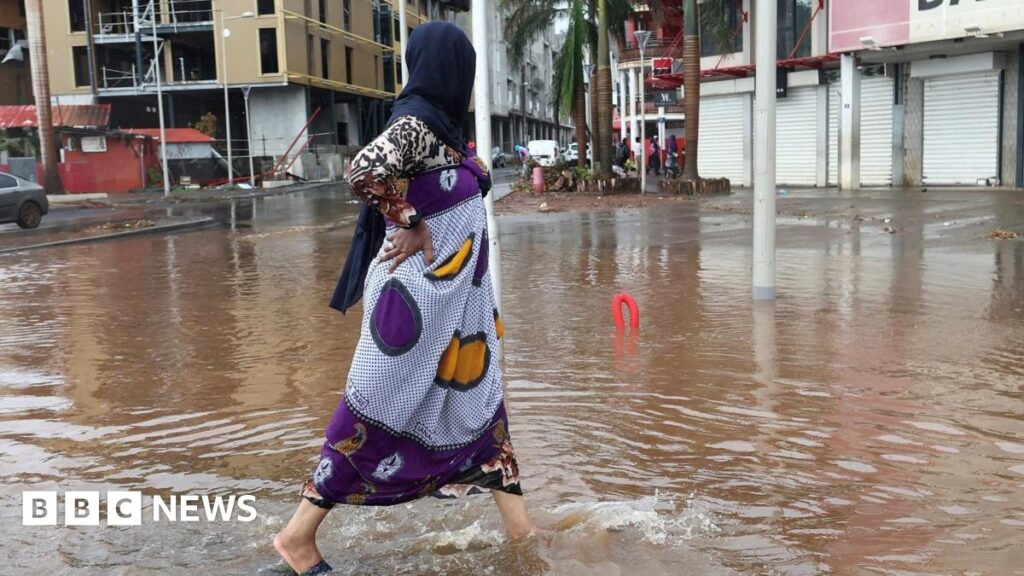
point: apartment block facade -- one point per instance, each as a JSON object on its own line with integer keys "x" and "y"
{"x": 521, "y": 107}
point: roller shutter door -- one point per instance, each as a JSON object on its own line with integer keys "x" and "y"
{"x": 796, "y": 138}
{"x": 875, "y": 131}
{"x": 721, "y": 137}
{"x": 961, "y": 128}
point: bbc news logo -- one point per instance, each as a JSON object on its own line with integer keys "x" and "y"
{"x": 126, "y": 508}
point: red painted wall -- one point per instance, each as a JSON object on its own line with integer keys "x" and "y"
{"x": 115, "y": 171}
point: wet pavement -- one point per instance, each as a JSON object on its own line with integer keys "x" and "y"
{"x": 868, "y": 422}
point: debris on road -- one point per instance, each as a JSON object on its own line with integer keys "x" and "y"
{"x": 1002, "y": 235}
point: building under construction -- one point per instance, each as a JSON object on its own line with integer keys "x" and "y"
{"x": 320, "y": 72}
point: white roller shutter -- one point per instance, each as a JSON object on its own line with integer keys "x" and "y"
{"x": 796, "y": 137}
{"x": 876, "y": 95}
{"x": 721, "y": 137}
{"x": 961, "y": 128}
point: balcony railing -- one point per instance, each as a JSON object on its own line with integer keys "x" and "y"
{"x": 656, "y": 48}
{"x": 181, "y": 13}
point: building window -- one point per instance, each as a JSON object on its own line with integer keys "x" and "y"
{"x": 348, "y": 64}
{"x": 794, "y": 17}
{"x": 268, "y": 51}
{"x": 398, "y": 29}
{"x": 376, "y": 71}
{"x": 264, "y": 7}
{"x": 389, "y": 73}
{"x": 76, "y": 14}
{"x": 346, "y": 11}
{"x": 323, "y": 11}
{"x": 325, "y": 58}
{"x": 398, "y": 71}
{"x": 343, "y": 133}
{"x": 710, "y": 45}
{"x": 80, "y": 60}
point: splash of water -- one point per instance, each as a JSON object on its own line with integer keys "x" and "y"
{"x": 658, "y": 520}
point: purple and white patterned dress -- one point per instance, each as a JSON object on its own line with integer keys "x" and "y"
{"x": 423, "y": 412}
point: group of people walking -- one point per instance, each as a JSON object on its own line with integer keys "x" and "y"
{"x": 656, "y": 156}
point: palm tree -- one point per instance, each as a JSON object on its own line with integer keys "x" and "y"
{"x": 712, "y": 13}
{"x": 589, "y": 23}
{"x": 41, "y": 90}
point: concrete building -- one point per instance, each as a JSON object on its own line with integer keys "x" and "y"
{"x": 330, "y": 63}
{"x": 727, "y": 91}
{"x": 15, "y": 75}
{"x": 956, "y": 69}
{"x": 521, "y": 107}
{"x": 871, "y": 92}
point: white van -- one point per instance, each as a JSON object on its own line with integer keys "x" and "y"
{"x": 544, "y": 152}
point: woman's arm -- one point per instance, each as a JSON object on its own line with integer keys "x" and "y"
{"x": 376, "y": 170}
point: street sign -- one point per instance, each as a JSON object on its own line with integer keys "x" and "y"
{"x": 666, "y": 98}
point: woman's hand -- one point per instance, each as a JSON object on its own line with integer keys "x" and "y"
{"x": 408, "y": 241}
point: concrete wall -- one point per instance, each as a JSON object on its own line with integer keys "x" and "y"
{"x": 913, "y": 130}
{"x": 282, "y": 114}
{"x": 1009, "y": 137}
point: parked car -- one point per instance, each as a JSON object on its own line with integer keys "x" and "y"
{"x": 544, "y": 152}
{"x": 498, "y": 158}
{"x": 21, "y": 201}
{"x": 572, "y": 153}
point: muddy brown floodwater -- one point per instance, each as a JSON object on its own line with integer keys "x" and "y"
{"x": 868, "y": 422}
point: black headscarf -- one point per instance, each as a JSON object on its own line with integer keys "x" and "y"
{"x": 442, "y": 67}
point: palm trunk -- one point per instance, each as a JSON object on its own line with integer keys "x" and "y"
{"x": 41, "y": 90}
{"x": 595, "y": 124}
{"x": 580, "y": 117}
{"x": 603, "y": 92}
{"x": 691, "y": 82}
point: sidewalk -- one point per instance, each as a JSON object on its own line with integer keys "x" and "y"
{"x": 93, "y": 217}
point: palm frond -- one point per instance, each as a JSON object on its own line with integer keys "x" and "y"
{"x": 713, "y": 19}
{"x": 528, "y": 20}
{"x": 570, "y": 59}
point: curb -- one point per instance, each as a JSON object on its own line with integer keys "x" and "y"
{"x": 172, "y": 227}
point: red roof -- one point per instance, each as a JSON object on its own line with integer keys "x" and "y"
{"x": 174, "y": 135}
{"x": 76, "y": 115}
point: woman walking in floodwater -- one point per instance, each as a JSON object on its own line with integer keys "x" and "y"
{"x": 423, "y": 412}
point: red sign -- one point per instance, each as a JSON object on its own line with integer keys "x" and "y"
{"x": 662, "y": 66}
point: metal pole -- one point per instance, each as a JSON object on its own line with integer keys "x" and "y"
{"x": 248, "y": 135}
{"x": 160, "y": 109}
{"x": 482, "y": 93}
{"x": 764, "y": 151}
{"x": 403, "y": 37}
{"x": 227, "y": 106}
{"x": 643, "y": 127}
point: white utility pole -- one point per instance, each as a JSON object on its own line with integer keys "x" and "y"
{"x": 403, "y": 37}
{"x": 160, "y": 105}
{"x": 623, "y": 112}
{"x": 248, "y": 135}
{"x": 642, "y": 36}
{"x": 766, "y": 17}
{"x": 482, "y": 95}
{"x": 224, "y": 33}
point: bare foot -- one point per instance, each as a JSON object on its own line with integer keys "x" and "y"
{"x": 300, "y": 553}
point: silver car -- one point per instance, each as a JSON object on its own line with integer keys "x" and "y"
{"x": 21, "y": 201}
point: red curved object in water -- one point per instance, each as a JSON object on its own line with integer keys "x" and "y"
{"x": 634, "y": 311}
